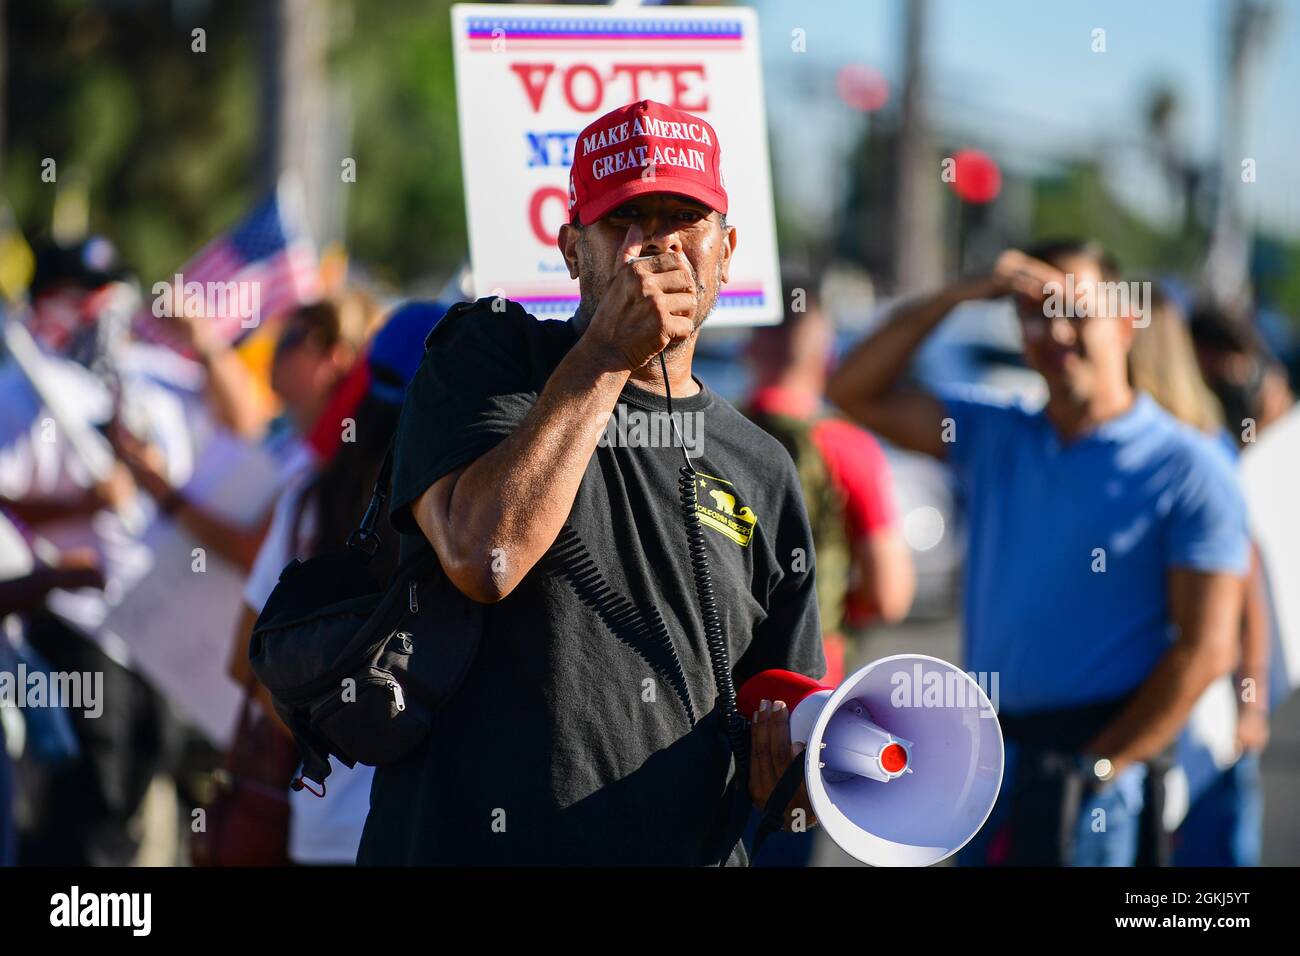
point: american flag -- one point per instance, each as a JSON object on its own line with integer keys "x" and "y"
{"x": 267, "y": 248}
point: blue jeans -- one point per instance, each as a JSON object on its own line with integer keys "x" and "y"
{"x": 1223, "y": 827}
{"x": 1119, "y": 809}
{"x": 1106, "y": 833}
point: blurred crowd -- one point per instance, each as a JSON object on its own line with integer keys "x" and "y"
{"x": 294, "y": 420}
{"x": 256, "y": 450}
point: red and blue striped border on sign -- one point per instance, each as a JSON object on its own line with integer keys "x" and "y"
{"x": 542, "y": 304}
{"x": 565, "y": 28}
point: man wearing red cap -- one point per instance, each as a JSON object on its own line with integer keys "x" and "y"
{"x": 588, "y": 730}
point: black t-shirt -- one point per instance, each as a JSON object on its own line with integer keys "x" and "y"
{"x": 586, "y": 731}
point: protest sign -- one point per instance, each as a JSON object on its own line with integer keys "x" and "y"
{"x": 529, "y": 78}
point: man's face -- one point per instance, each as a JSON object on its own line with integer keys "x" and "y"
{"x": 1074, "y": 353}
{"x": 670, "y": 223}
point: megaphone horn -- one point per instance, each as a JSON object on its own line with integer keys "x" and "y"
{"x": 895, "y": 776}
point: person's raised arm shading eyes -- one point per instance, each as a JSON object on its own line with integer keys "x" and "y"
{"x": 868, "y": 383}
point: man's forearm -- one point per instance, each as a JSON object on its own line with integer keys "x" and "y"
{"x": 1158, "y": 711}
{"x": 507, "y": 507}
{"x": 880, "y": 360}
{"x": 885, "y": 576}
{"x": 1206, "y": 609}
{"x": 236, "y": 544}
{"x": 38, "y": 511}
{"x": 231, "y": 394}
{"x": 1255, "y": 634}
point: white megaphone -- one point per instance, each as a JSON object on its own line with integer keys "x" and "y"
{"x": 903, "y": 760}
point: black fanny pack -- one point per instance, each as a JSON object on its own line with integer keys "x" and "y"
{"x": 357, "y": 668}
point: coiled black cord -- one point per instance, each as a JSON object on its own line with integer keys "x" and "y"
{"x": 719, "y": 658}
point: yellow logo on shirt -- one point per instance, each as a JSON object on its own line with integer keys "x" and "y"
{"x": 719, "y": 508}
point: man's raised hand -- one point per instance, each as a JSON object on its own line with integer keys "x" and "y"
{"x": 1024, "y": 276}
{"x": 649, "y": 303}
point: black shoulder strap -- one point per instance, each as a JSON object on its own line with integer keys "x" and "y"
{"x": 365, "y": 538}
{"x": 774, "y": 812}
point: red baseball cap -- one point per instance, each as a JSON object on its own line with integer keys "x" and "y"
{"x": 641, "y": 148}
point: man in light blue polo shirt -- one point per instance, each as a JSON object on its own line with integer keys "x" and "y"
{"x": 1107, "y": 546}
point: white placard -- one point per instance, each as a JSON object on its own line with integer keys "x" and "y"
{"x": 530, "y": 78}
{"x": 179, "y": 623}
{"x": 1268, "y": 475}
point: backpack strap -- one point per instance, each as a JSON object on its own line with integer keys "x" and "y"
{"x": 824, "y": 503}
{"x": 365, "y": 539}
{"x": 774, "y": 812}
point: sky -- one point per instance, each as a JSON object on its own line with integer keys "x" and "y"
{"x": 1020, "y": 79}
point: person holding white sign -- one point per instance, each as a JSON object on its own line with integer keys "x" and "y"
{"x": 82, "y": 373}
{"x": 589, "y": 730}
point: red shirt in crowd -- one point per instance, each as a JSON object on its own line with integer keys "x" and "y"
{"x": 855, "y": 463}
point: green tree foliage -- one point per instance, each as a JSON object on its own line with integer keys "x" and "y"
{"x": 160, "y": 135}
{"x": 164, "y": 138}
{"x": 406, "y": 217}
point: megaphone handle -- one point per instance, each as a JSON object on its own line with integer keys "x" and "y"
{"x": 774, "y": 811}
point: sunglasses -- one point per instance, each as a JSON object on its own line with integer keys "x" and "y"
{"x": 292, "y": 338}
